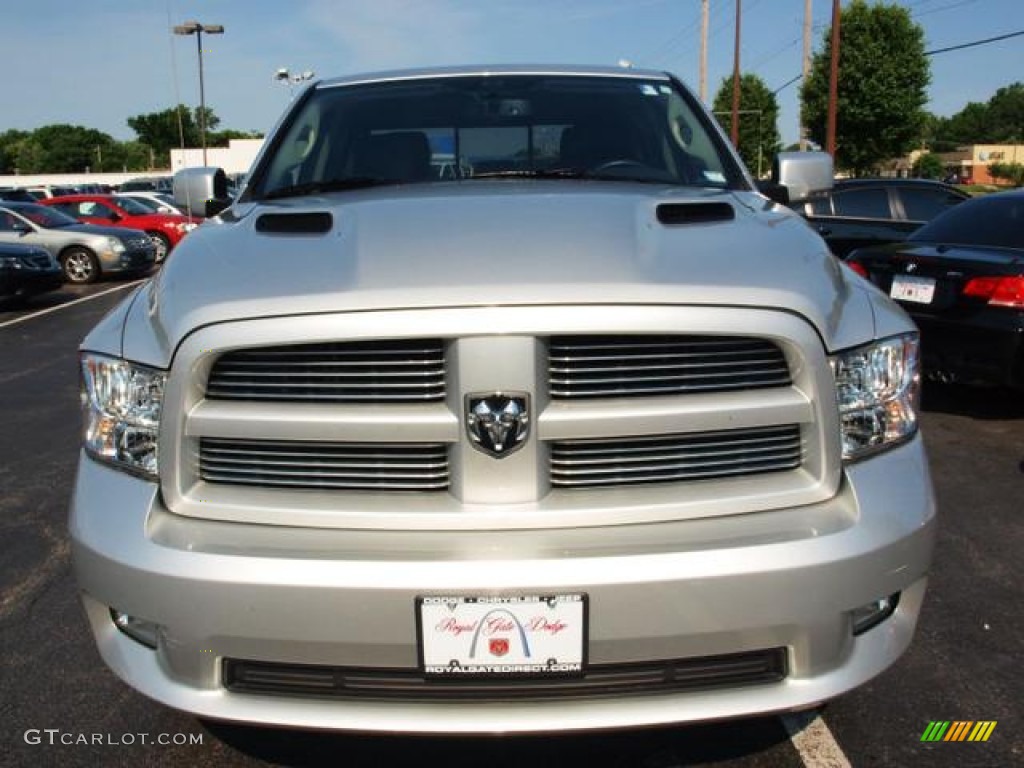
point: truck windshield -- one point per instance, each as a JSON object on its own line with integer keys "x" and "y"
{"x": 456, "y": 129}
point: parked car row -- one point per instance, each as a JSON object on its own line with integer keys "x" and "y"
{"x": 85, "y": 235}
{"x": 84, "y": 251}
{"x": 165, "y": 229}
{"x": 156, "y": 184}
{"x": 954, "y": 263}
{"x": 961, "y": 279}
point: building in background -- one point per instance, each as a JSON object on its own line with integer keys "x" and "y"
{"x": 971, "y": 163}
{"x": 236, "y": 158}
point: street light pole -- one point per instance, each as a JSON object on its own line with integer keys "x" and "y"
{"x": 197, "y": 29}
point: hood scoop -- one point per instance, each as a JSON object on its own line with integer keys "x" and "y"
{"x": 678, "y": 214}
{"x": 305, "y": 223}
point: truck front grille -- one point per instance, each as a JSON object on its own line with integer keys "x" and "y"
{"x": 638, "y": 366}
{"x": 406, "y": 371}
{"x": 675, "y": 458}
{"x": 334, "y": 466}
{"x": 349, "y": 419}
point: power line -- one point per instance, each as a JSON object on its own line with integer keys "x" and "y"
{"x": 788, "y": 83}
{"x": 931, "y": 53}
{"x": 975, "y": 43}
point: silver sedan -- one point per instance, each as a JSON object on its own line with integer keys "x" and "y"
{"x": 84, "y": 251}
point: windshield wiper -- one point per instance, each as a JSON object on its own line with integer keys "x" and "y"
{"x": 331, "y": 185}
{"x": 575, "y": 173}
{"x": 538, "y": 173}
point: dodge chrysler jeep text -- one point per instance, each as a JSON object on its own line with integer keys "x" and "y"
{"x": 501, "y": 400}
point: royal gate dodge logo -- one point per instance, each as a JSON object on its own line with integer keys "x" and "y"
{"x": 498, "y": 423}
{"x": 958, "y": 730}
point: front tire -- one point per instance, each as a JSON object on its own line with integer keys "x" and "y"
{"x": 162, "y": 243}
{"x": 80, "y": 266}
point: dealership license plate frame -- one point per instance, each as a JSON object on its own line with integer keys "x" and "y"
{"x": 443, "y": 660}
{"x": 913, "y": 288}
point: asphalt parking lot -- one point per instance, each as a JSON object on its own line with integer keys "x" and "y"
{"x": 61, "y": 706}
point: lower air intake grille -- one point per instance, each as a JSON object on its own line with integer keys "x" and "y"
{"x": 335, "y": 466}
{"x": 675, "y": 458}
{"x": 733, "y": 670}
{"x": 645, "y": 366}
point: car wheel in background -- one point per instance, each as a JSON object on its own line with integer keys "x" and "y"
{"x": 80, "y": 266}
{"x": 162, "y": 243}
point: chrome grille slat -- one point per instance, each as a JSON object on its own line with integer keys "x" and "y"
{"x": 639, "y": 366}
{"x": 641, "y": 375}
{"x": 338, "y": 466}
{"x": 627, "y": 456}
{"x": 630, "y": 461}
{"x": 393, "y": 371}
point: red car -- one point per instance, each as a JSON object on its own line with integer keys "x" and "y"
{"x": 165, "y": 229}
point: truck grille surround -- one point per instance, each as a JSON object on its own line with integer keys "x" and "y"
{"x": 272, "y": 431}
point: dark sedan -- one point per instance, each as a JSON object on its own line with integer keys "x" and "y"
{"x": 27, "y": 270}
{"x": 862, "y": 212}
{"x": 961, "y": 278}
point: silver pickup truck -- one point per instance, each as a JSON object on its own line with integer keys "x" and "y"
{"x": 501, "y": 400}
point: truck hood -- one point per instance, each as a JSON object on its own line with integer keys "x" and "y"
{"x": 496, "y": 243}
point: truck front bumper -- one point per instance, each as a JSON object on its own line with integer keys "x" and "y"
{"x": 222, "y": 594}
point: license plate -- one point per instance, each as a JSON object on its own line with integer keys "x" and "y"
{"x": 502, "y": 636}
{"x": 913, "y": 288}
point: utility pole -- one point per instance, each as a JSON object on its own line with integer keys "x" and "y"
{"x": 806, "y": 69}
{"x": 833, "y": 82}
{"x": 705, "y": 13}
{"x": 735, "y": 133}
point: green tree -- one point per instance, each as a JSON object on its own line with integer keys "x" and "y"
{"x": 223, "y": 138}
{"x": 9, "y": 141}
{"x": 1011, "y": 172}
{"x": 883, "y": 76}
{"x": 968, "y": 126}
{"x": 169, "y": 129}
{"x": 1006, "y": 114}
{"x": 929, "y": 166}
{"x": 998, "y": 121}
{"x": 29, "y": 156}
{"x": 71, "y": 148}
{"x": 130, "y": 156}
{"x": 758, "y": 120}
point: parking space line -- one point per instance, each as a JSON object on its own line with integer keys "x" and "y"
{"x": 814, "y": 741}
{"x": 90, "y": 297}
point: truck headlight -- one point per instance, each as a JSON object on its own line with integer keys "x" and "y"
{"x": 877, "y": 388}
{"x": 121, "y": 407}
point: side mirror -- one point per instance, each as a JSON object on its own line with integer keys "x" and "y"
{"x": 115, "y": 216}
{"x": 201, "y": 191}
{"x": 798, "y": 175}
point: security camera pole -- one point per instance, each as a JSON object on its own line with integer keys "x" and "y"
{"x": 197, "y": 29}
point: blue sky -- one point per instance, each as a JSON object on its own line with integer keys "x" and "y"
{"x": 98, "y": 63}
